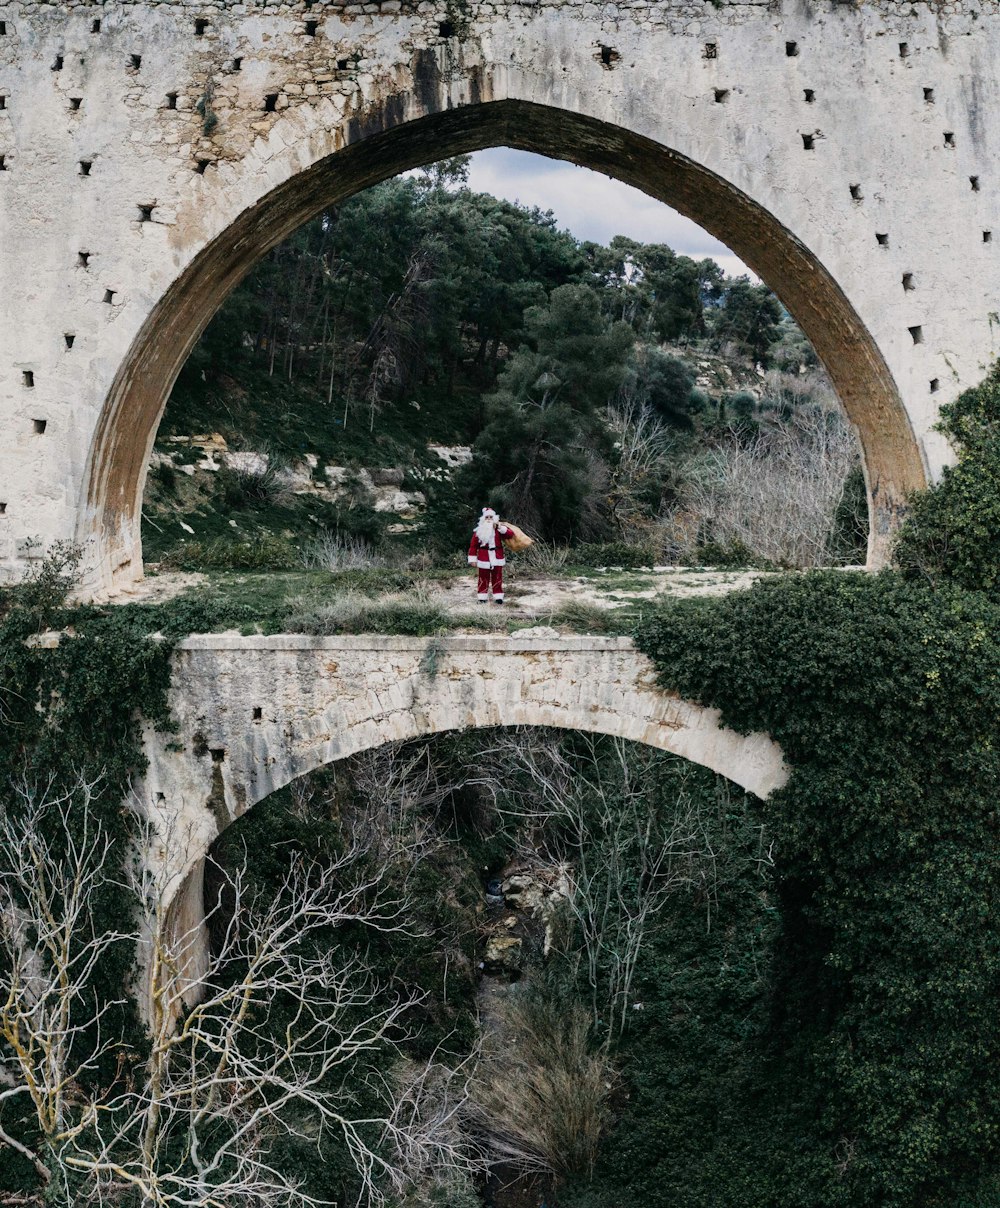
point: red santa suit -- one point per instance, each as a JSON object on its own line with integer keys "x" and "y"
{"x": 487, "y": 553}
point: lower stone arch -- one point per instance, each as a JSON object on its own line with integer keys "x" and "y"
{"x": 404, "y": 132}
{"x": 329, "y": 698}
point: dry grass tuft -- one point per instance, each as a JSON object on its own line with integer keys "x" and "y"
{"x": 541, "y": 1093}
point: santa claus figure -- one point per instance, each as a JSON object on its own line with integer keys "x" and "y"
{"x": 487, "y": 553}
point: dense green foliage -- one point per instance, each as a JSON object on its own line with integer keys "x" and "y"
{"x": 419, "y": 312}
{"x": 872, "y": 1076}
{"x": 953, "y": 531}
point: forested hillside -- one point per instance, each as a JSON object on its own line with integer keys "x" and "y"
{"x": 423, "y": 349}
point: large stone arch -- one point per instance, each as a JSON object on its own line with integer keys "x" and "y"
{"x": 386, "y": 140}
{"x": 255, "y": 713}
{"x": 811, "y": 138}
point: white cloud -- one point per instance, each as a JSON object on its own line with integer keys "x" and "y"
{"x": 593, "y": 206}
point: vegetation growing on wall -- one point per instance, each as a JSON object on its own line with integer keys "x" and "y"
{"x": 953, "y": 531}
{"x": 871, "y": 1078}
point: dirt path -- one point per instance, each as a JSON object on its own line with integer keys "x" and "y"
{"x": 541, "y": 597}
{"x": 528, "y": 595}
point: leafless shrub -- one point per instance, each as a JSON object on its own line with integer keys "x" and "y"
{"x": 195, "y": 1121}
{"x": 329, "y": 551}
{"x": 430, "y": 1134}
{"x": 774, "y": 494}
{"x": 625, "y": 861}
{"x": 401, "y": 788}
{"x": 643, "y": 447}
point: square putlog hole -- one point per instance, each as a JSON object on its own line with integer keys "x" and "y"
{"x": 38, "y": 426}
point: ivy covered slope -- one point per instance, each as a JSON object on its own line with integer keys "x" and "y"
{"x": 875, "y": 1066}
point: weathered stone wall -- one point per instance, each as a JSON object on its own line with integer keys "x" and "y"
{"x": 152, "y": 151}
{"x": 254, "y": 713}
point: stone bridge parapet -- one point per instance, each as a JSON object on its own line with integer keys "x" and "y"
{"x": 254, "y": 713}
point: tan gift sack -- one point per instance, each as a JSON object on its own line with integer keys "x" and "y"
{"x": 517, "y": 539}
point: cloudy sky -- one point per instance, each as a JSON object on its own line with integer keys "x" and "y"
{"x": 590, "y": 205}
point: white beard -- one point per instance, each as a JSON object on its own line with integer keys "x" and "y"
{"x": 486, "y": 531}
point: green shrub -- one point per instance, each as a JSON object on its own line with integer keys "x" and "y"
{"x": 871, "y": 1077}
{"x": 612, "y": 553}
{"x": 953, "y": 529}
{"x": 732, "y": 555}
{"x": 45, "y": 587}
{"x": 262, "y": 482}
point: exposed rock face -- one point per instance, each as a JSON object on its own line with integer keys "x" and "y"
{"x": 504, "y": 952}
{"x": 542, "y": 892}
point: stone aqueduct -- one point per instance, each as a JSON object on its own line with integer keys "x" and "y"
{"x": 150, "y": 152}
{"x": 254, "y": 713}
